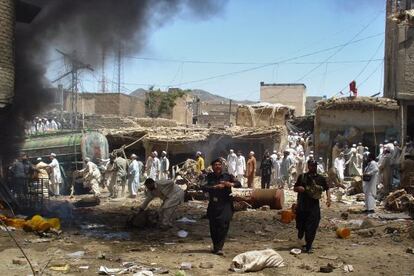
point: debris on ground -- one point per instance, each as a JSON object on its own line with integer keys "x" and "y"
{"x": 186, "y": 266}
{"x": 87, "y": 202}
{"x": 295, "y": 251}
{"x": 206, "y": 265}
{"x": 398, "y": 201}
{"x": 253, "y": 261}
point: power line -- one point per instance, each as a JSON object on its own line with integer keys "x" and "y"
{"x": 278, "y": 62}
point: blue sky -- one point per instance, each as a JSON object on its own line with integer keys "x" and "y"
{"x": 230, "y": 53}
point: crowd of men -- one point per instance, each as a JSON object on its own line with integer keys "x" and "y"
{"x": 43, "y": 125}
{"x": 296, "y": 169}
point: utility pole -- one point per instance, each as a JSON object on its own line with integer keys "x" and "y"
{"x": 76, "y": 65}
{"x": 119, "y": 69}
{"x": 230, "y": 112}
{"x": 103, "y": 81}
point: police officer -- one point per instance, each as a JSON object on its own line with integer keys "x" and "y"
{"x": 220, "y": 208}
{"x": 309, "y": 187}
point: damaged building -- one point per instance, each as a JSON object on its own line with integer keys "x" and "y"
{"x": 352, "y": 120}
{"x": 398, "y": 63}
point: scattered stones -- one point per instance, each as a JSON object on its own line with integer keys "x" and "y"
{"x": 368, "y": 223}
{"x": 410, "y": 250}
{"x": 411, "y": 232}
{"x": 305, "y": 266}
{"x": 366, "y": 233}
{"x": 186, "y": 266}
{"x": 206, "y": 265}
{"x": 19, "y": 261}
{"x": 265, "y": 208}
{"x": 101, "y": 255}
{"x": 344, "y": 215}
{"x": 348, "y": 268}
{"x": 295, "y": 251}
{"x": 332, "y": 258}
{"x": 326, "y": 269}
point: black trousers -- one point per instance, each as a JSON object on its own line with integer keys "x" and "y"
{"x": 218, "y": 232}
{"x": 307, "y": 223}
{"x": 265, "y": 181}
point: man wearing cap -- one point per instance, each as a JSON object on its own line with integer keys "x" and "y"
{"x": 240, "y": 167}
{"x": 41, "y": 175}
{"x": 339, "y": 165}
{"x": 199, "y": 163}
{"x": 165, "y": 166}
{"x": 218, "y": 185}
{"x": 231, "y": 162}
{"x": 251, "y": 170}
{"x": 170, "y": 193}
{"x": 155, "y": 166}
{"x": 133, "y": 176}
{"x": 55, "y": 175}
{"x": 285, "y": 168}
{"x": 336, "y": 150}
{"x": 91, "y": 176}
{"x": 309, "y": 187}
{"x": 121, "y": 169}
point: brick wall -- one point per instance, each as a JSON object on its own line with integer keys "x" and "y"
{"x": 7, "y": 22}
{"x": 107, "y": 104}
{"x": 286, "y": 94}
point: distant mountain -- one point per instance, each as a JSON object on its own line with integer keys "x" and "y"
{"x": 203, "y": 95}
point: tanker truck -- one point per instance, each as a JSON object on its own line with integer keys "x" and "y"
{"x": 70, "y": 148}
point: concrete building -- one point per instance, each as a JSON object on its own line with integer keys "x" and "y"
{"x": 106, "y": 104}
{"x": 290, "y": 94}
{"x": 352, "y": 120}
{"x": 310, "y": 104}
{"x": 399, "y": 64}
{"x": 216, "y": 113}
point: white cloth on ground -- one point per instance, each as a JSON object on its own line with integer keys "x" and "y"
{"x": 257, "y": 260}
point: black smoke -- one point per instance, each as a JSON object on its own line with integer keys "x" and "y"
{"x": 87, "y": 27}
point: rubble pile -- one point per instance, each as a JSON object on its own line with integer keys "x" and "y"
{"x": 187, "y": 174}
{"x": 356, "y": 186}
{"x": 358, "y": 102}
{"x": 399, "y": 201}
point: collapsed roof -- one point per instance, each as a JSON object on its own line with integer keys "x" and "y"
{"x": 357, "y": 103}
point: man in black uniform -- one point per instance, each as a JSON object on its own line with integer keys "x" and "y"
{"x": 220, "y": 207}
{"x": 309, "y": 187}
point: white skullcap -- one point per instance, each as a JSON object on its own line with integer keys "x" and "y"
{"x": 53, "y": 154}
{"x": 133, "y": 155}
{"x": 39, "y": 159}
{"x": 275, "y": 151}
{"x": 198, "y": 153}
{"x": 231, "y": 151}
{"x": 353, "y": 145}
{"x": 252, "y": 152}
{"x": 155, "y": 153}
{"x": 164, "y": 152}
{"x": 87, "y": 159}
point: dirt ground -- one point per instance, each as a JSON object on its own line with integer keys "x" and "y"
{"x": 101, "y": 233}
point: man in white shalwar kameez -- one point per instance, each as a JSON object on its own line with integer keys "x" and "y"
{"x": 55, "y": 176}
{"x": 91, "y": 176}
{"x": 339, "y": 165}
{"x": 133, "y": 176}
{"x": 155, "y": 167}
{"x": 171, "y": 195}
{"x": 231, "y": 163}
{"x": 240, "y": 168}
{"x": 370, "y": 186}
{"x": 165, "y": 166}
{"x": 276, "y": 161}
